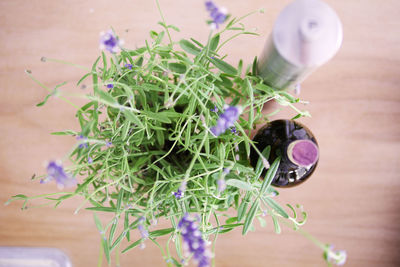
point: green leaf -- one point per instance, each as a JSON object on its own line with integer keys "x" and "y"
{"x": 270, "y": 175}
{"x": 106, "y": 249}
{"x": 83, "y": 78}
{"x": 51, "y": 94}
{"x": 113, "y": 228}
{"x": 157, "y": 116}
{"x": 214, "y": 42}
{"x": 223, "y": 66}
{"x": 189, "y": 47}
{"x": 240, "y": 184}
{"x": 94, "y": 76}
{"x": 276, "y": 225}
{"x": 274, "y": 205}
{"x": 243, "y": 206}
{"x": 67, "y": 132}
{"x": 103, "y": 209}
{"x": 177, "y": 67}
{"x": 103, "y": 55}
{"x": 130, "y": 116}
{"x": 161, "y": 232}
{"x": 134, "y": 244}
{"x": 118, "y": 240}
{"x": 174, "y": 28}
{"x": 250, "y": 216}
{"x": 107, "y": 97}
{"x": 98, "y": 222}
{"x": 254, "y": 67}
{"x": 297, "y": 116}
{"x": 231, "y": 220}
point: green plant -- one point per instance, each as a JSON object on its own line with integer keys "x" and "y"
{"x": 156, "y": 141}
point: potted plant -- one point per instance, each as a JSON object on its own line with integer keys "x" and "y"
{"x": 165, "y": 133}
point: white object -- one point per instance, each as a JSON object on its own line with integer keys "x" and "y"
{"x": 33, "y": 257}
{"x": 307, "y": 34}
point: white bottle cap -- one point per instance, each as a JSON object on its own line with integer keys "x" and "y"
{"x": 307, "y": 33}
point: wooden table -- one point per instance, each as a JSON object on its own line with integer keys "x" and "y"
{"x": 353, "y": 196}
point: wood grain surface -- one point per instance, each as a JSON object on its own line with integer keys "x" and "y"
{"x": 352, "y": 198}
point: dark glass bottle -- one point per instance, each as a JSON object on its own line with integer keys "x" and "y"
{"x": 295, "y": 144}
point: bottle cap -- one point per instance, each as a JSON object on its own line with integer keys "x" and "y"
{"x": 303, "y": 152}
{"x": 307, "y": 33}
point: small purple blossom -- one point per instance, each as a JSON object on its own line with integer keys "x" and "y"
{"x": 226, "y": 120}
{"x": 143, "y": 232}
{"x": 226, "y": 171}
{"x": 55, "y": 171}
{"x": 215, "y": 109}
{"x": 194, "y": 241}
{"x": 108, "y": 144}
{"x": 181, "y": 191}
{"x": 233, "y": 130}
{"x": 221, "y": 185}
{"x": 217, "y": 14}
{"x": 83, "y": 143}
{"x": 128, "y": 66}
{"x": 110, "y": 86}
{"x": 90, "y": 160}
{"x": 178, "y": 194}
{"x": 109, "y": 41}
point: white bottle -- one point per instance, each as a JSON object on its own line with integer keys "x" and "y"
{"x": 306, "y": 35}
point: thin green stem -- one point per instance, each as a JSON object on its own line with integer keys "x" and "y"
{"x": 50, "y": 91}
{"x": 67, "y": 63}
{"x": 163, "y": 20}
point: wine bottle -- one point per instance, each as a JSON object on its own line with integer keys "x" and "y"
{"x": 296, "y": 146}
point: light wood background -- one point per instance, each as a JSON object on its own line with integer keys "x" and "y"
{"x": 353, "y": 197}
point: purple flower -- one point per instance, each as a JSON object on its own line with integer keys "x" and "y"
{"x": 226, "y": 120}
{"x": 83, "y": 143}
{"x": 109, "y": 41}
{"x": 233, "y": 130}
{"x": 181, "y": 191}
{"x": 143, "y": 232}
{"x": 128, "y": 66}
{"x": 110, "y": 86}
{"x": 194, "y": 241}
{"x": 221, "y": 185}
{"x": 108, "y": 144}
{"x": 226, "y": 171}
{"x": 218, "y": 15}
{"x": 55, "y": 171}
{"x": 215, "y": 109}
{"x": 90, "y": 160}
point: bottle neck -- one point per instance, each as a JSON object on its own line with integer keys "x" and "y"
{"x": 302, "y": 152}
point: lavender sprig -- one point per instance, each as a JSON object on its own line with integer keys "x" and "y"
{"x": 181, "y": 191}
{"x": 226, "y": 120}
{"x": 83, "y": 140}
{"x": 109, "y": 42}
{"x": 194, "y": 241}
{"x": 55, "y": 171}
{"x": 217, "y": 14}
